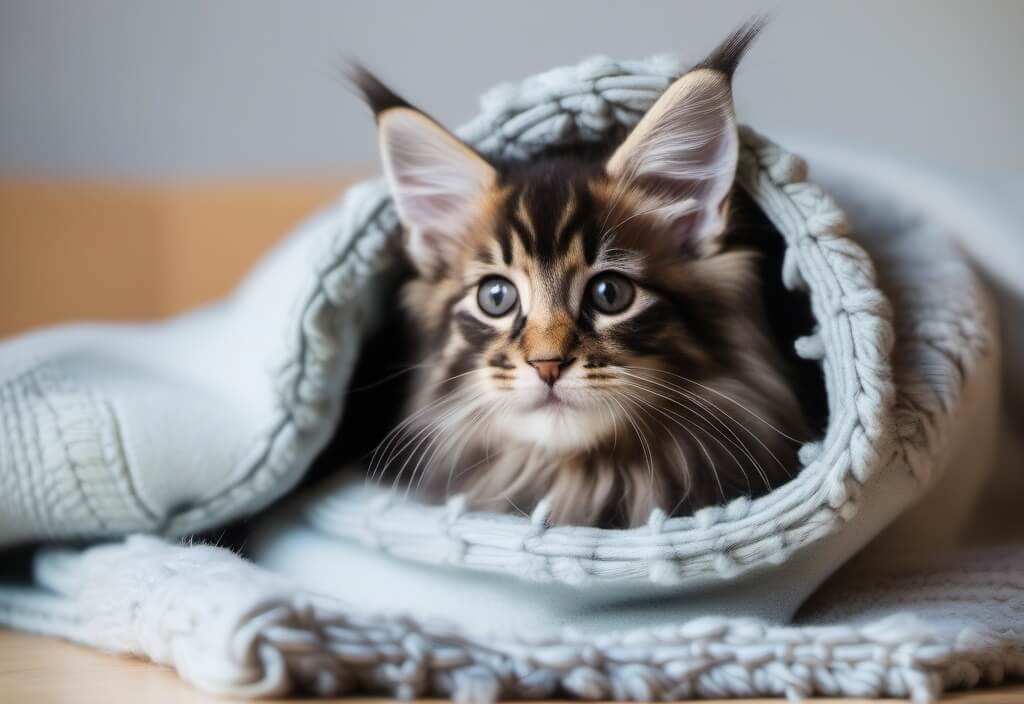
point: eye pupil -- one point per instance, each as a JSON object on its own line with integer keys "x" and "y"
{"x": 606, "y": 289}
{"x": 496, "y": 296}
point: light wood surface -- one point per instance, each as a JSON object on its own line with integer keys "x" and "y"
{"x": 37, "y": 670}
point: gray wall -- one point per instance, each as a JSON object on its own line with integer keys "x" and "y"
{"x": 195, "y": 88}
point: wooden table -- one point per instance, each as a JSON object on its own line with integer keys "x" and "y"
{"x": 37, "y": 670}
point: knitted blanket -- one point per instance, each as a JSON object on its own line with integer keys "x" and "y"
{"x": 181, "y": 426}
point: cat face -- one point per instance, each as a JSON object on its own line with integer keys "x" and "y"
{"x": 568, "y": 281}
{"x": 586, "y": 334}
{"x": 541, "y": 287}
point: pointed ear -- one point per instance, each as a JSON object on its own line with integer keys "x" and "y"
{"x": 684, "y": 153}
{"x": 437, "y": 182}
{"x": 435, "y": 179}
{"x": 684, "y": 150}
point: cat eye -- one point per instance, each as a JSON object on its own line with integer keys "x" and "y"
{"x": 496, "y": 296}
{"x": 611, "y": 293}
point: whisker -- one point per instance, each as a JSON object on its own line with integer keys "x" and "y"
{"x": 721, "y": 394}
{"x": 386, "y": 441}
{"x": 383, "y": 380}
{"x": 627, "y": 219}
{"x": 458, "y": 439}
{"x": 708, "y": 402}
{"x": 622, "y": 187}
{"x": 455, "y": 400}
{"x": 704, "y": 449}
{"x": 384, "y": 450}
{"x": 427, "y": 457}
{"x": 640, "y": 437}
{"x": 718, "y": 425}
{"x": 429, "y": 434}
{"x": 513, "y": 505}
{"x": 485, "y": 420}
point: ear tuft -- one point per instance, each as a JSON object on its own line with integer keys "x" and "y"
{"x": 372, "y": 90}
{"x": 726, "y": 56}
{"x": 684, "y": 150}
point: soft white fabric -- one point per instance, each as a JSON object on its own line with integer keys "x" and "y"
{"x": 180, "y": 426}
{"x": 184, "y": 425}
{"x": 230, "y": 627}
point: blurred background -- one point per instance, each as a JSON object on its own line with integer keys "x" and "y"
{"x": 150, "y": 151}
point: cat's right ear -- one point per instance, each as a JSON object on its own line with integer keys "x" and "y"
{"x": 437, "y": 181}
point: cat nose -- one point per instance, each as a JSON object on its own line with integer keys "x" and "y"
{"x": 549, "y": 369}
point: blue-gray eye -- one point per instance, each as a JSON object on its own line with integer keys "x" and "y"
{"x": 497, "y": 296}
{"x": 611, "y": 293}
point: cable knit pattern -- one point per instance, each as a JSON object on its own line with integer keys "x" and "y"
{"x": 62, "y": 446}
{"x": 899, "y": 357}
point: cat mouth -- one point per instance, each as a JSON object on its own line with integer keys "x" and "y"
{"x": 552, "y": 401}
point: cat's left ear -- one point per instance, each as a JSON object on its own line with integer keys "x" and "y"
{"x": 437, "y": 181}
{"x": 684, "y": 151}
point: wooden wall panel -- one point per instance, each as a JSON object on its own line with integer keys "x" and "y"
{"x": 90, "y": 251}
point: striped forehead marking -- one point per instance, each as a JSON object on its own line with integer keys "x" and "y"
{"x": 545, "y": 218}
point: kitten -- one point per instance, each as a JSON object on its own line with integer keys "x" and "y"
{"x": 590, "y": 333}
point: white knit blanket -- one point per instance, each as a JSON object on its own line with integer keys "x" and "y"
{"x": 185, "y": 425}
{"x": 230, "y": 627}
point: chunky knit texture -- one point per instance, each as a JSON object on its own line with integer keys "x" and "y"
{"x": 231, "y": 628}
{"x": 905, "y": 351}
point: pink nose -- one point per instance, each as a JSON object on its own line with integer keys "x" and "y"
{"x": 549, "y": 369}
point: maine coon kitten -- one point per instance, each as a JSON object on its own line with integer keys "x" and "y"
{"x": 588, "y": 331}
